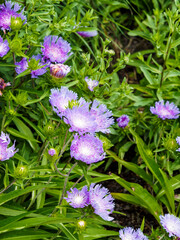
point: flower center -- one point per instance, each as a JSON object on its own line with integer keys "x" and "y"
{"x": 78, "y": 199}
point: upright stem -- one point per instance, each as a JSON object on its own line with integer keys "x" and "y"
{"x": 8, "y": 186}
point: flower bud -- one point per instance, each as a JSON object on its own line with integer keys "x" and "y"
{"x": 16, "y": 45}
{"x": 81, "y": 224}
{"x": 49, "y": 129}
{"x": 21, "y": 98}
{"x": 59, "y": 70}
{"x": 16, "y": 23}
{"x": 21, "y": 172}
{"x": 170, "y": 144}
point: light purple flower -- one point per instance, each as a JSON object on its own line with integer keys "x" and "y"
{"x": 165, "y": 111}
{"x": 5, "y": 152}
{"x": 129, "y": 233}
{"x": 4, "y": 47}
{"x": 52, "y": 152}
{"x": 7, "y": 11}
{"x": 21, "y": 66}
{"x": 91, "y": 83}
{"x": 103, "y": 117}
{"x": 171, "y": 224}
{"x": 56, "y": 49}
{"x": 59, "y": 70}
{"x": 78, "y": 198}
{"x": 88, "y": 33}
{"x": 102, "y": 201}
{"x": 123, "y": 121}
{"x": 59, "y": 99}
{"x": 178, "y": 140}
{"x": 178, "y": 150}
{"x": 87, "y": 148}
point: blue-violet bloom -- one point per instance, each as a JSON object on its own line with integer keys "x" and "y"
{"x": 4, "y": 47}
{"x": 87, "y": 148}
{"x": 91, "y": 83}
{"x": 88, "y": 33}
{"x": 7, "y": 11}
{"x": 5, "y": 152}
{"x": 59, "y": 70}
{"x": 165, "y": 111}
{"x": 171, "y": 224}
{"x": 56, "y": 49}
{"x": 129, "y": 233}
{"x": 78, "y": 198}
{"x": 52, "y": 152}
{"x": 123, "y": 121}
{"x": 59, "y": 99}
{"x": 102, "y": 201}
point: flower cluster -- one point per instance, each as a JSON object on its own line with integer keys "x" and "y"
{"x": 129, "y": 233}
{"x": 171, "y": 224}
{"x": 165, "y": 111}
{"x": 91, "y": 83}
{"x": 7, "y": 11}
{"x": 97, "y": 196}
{"x": 123, "y": 121}
{"x": 5, "y": 152}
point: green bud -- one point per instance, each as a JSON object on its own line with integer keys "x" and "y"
{"x": 49, "y": 129}
{"x": 16, "y": 23}
{"x": 170, "y": 144}
{"x": 16, "y": 45}
{"x": 21, "y": 172}
{"x": 22, "y": 98}
{"x": 81, "y": 224}
{"x": 11, "y": 112}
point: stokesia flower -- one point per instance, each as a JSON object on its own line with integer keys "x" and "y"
{"x": 52, "y": 152}
{"x": 7, "y": 11}
{"x": 87, "y": 148}
{"x": 5, "y": 152}
{"x": 102, "y": 201}
{"x": 56, "y": 49}
{"x": 59, "y": 70}
{"x": 4, "y": 47}
{"x": 88, "y": 33}
{"x": 78, "y": 198}
{"x": 171, "y": 224}
{"x": 59, "y": 99}
{"x": 178, "y": 140}
{"x": 21, "y": 66}
{"x": 123, "y": 121}
{"x": 165, "y": 111}
{"x": 91, "y": 83}
{"x": 129, "y": 233}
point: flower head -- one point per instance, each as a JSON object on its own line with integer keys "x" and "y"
{"x": 87, "y": 148}
{"x": 59, "y": 99}
{"x": 88, "y": 33}
{"x": 55, "y": 49}
{"x": 7, "y": 11}
{"x": 78, "y": 198}
{"x": 178, "y": 140}
{"x": 52, "y": 152}
{"x": 171, "y": 224}
{"x": 5, "y": 152}
{"x": 3, "y": 85}
{"x": 21, "y": 66}
{"x": 123, "y": 121}
{"x": 4, "y": 47}
{"x": 59, "y": 70}
{"x": 102, "y": 201}
{"x": 129, "y": 233}
{"x": 91, "y": 83}
{"x": 165, "y": 111}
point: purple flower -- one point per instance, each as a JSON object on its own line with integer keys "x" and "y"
{"x": 52, "y": 152}
{"x": 129, "y": 233}
{"x": 5, "y": 152}
{"x": 59, "y": 99}
{"x": 91, "y": 83}
{"x": 103, "y": 117}
{"x": 59, "y": 70}
{"x": 4, "y": 47}
{"x": 171, "y": 224}
{"x": 178, "y": 150}
{"x": 87, "y": 148}
{"x": 102, "y": 201}
{"x": 7, "y": 11}
{"x": 56, "y": 49}
{"x": 178, "y": 140}
{"x": 21, "y": 66}
{"x": 88, "y": 33}
{"x": 123, "y": 121}
{"x": 78, "y": 198}
{"x": 3, "y": 85}
{"x": 165, "y": 111}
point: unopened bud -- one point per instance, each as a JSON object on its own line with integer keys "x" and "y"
{"x": 59, "y": 70}
{"x": 81, "y": 224}
{"x": 21, "y": 172}
{"x": 16, "y": 23}
{"x": 170, "y": 144}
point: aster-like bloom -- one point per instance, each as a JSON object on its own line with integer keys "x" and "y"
{"x": 165, "y": 111}
{"x": 178, "y": 140}
{"x": 21, "y": 66}
{"x": 129, "y": 233}
{"x": 5, "y": 152}
{"x": 88, "y": 33}
{"x": 4, "y": 47}
{"x": 78, "y": 198}
{"x": 7, "y": 11}
{"x": 56, "y": 49}
{"x": 102, "y": 201}
{"x": 91, "y": 83}
{"x": 3, "y": 85}
{"x": 123, "y": 121}
{"x": 59, "y": 99}
{"x": 52, "y": 152}
{"x": 103, "y": 117}
{"x": 87, "y": 148}
{"x": 171, "y": 224}
{"x": 59, "y": 70}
